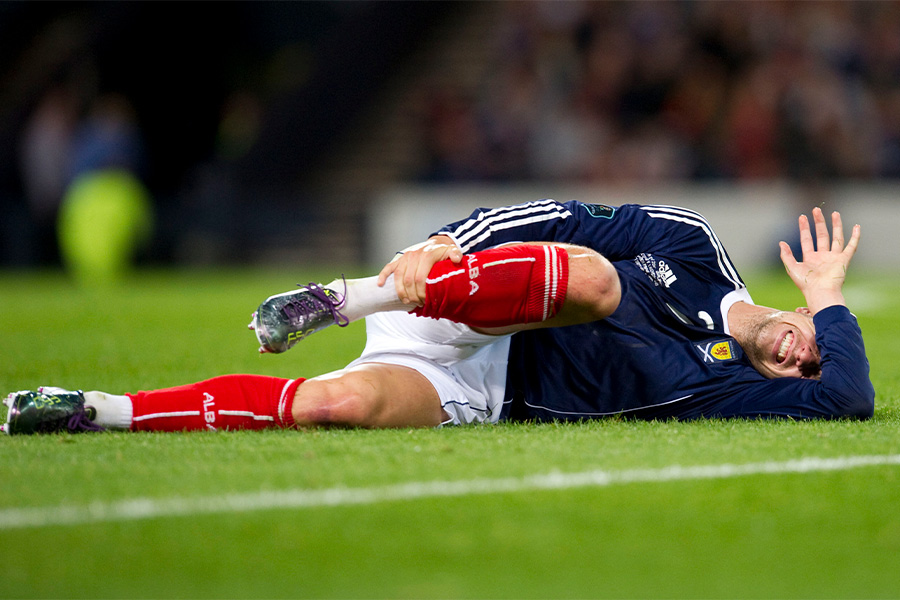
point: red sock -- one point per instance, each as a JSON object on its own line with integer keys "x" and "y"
{"x": 525, "y": 283}
{"x": 227, "y": 402}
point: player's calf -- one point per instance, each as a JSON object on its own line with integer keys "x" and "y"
{"x": 371, "y": 395}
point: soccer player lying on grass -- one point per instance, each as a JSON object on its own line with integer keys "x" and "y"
{"x": 631, "y": 310}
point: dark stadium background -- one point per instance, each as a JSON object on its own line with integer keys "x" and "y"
{"x": 309, "y": 66}
{"x": 246, "y": 110}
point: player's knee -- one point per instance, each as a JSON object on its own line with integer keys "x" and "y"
{"x": 594, "y": 285}
{"x": 340, "y": 402}
{"x": 608, "y": 289}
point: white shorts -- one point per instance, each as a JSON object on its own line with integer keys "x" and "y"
{"x": 467, "y": 368}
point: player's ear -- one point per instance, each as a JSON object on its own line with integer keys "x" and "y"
{"x": 803, "y": 311}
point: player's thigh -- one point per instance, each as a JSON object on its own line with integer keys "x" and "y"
{"x": 369, "y": 395}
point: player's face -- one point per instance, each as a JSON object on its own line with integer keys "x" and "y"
{"x": 784, "y": 345}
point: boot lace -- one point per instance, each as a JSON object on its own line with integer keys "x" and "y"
{"x": 318, "y": 299}
{"x": 79, "y": 421}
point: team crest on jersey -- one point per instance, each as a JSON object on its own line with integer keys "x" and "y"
{"x": 718, "y": 351}
{"x": 600, "y": 211}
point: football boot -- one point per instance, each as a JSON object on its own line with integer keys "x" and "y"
{"x": 48, "y": 410}
{"x": 284, "y": 319}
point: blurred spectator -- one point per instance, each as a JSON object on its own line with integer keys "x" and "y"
{"x": 44, "y": 156}
{"x": 44, "y": 151}
{"x": 109, "y": 137}
{"x": 106, "y": 214}
{"x": 454, "y": 142}
{"x": 57, "y": 145}
{"x": 670, "y": 90}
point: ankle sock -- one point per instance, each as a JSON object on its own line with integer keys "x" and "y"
{"x": 112, "y": 412}
{"x": 365, "y": 297}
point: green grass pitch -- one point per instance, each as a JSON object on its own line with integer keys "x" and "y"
{"x": 821, "y": 534}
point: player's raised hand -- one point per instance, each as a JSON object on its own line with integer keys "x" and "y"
{"x": 411, "y": 268}
{"x": 821, "y": 273}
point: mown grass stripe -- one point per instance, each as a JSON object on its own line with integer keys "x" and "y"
{"x": 151, "y": 508}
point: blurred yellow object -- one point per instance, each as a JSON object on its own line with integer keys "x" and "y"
{"x": 105, "y": 217}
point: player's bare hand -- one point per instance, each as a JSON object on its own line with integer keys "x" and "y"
{"x": 411, "y": 268}
{"x": 821, "y": 273}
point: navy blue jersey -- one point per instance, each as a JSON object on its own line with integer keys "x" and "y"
{"x": 666, "y": 351}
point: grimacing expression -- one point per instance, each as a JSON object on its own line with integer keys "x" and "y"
{"x": 783, "y": 344}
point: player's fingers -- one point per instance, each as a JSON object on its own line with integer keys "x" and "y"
{"x": 387, "y": 269}
{"x": 398, "y": 287}
{"x": 408, "y": 281}
{"x": 435, "y": 254}
{"x": 806, "y": 242}
{"x": 424, "y": 268}
{"x": 401, "y": 275}
{"x": 822, "y": 238}
{"x": 787, "y": 257}
{"x": 791, "y": 265}
{"x": 853, "y": 242}
{"x": 837, "y": 232}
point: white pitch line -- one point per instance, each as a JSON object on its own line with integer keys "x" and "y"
{"x": 152, "y": 508}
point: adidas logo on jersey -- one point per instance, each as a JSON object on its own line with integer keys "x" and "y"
{"x": 665, "y": 274}
{"x": 659, "y": 272}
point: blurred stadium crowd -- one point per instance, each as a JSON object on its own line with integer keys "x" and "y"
{"x": 217, "y": 106}
{"x": 607, "y": 91}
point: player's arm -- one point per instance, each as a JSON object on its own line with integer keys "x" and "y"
{"x": 844, "y": 387}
